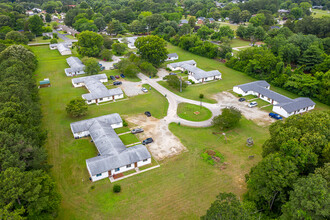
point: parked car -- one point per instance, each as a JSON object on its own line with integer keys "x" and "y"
{"x": 252, "y": 104}
{"x": 241, "y": 99}
{"x": 115, "y": 66}
{"x": 148, "y": 114}
{"x": 112, "y": 68}
{"x": 100, "y": 64}
{"x": 112, "y": 78}
{"x": 147, "y": 141}
{"x": 188, "y": 82}
{"x": 172, "y": 74}
{"x": 276, "y": 116}
{"x": 144, "y": 90}
{"x": 137, "y": 130}
{"x": 116, "y": 83}
{"x": 122, "y": 75}
{"x": 117, "y": 77}
{"x": 102, "y": 68}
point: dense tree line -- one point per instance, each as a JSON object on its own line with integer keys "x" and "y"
{"x": 26, "y": 189}
{"x": 292, "y": 180}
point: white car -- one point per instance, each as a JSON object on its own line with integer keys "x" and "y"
{"x": 144, "y": 90}
{"x": 252, "y": 104}
{"x": 188, "y": 82}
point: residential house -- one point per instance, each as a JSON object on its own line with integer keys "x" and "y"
{"x": 48, "y": 34}
{"x": 76, "y": 67}
{"x": 211, "y": 20}
{"x": 113, "y": 156}
{"x": 63, "y": 48}
{"x": 200, "y": 20}
{"x": 281, "y": 104}
{"x": 130, "y": 41}
{"x": 283, "y": 11}
{"x": 172, "y": 56}
{"x": 195, "y": 74}
{"x": 97, "y": 91}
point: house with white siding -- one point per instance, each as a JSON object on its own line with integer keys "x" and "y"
{"x": 195, "y": 74}
{"x": 76, "y": 67}
{"x": 63, "y": 48}
{"x": 98, "y": 93}
{"x": 281, "y": 104}
{"x": 172, "y": 56}
{"x": 113, "y": 156}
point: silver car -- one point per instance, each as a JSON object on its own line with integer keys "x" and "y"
{"x": 252, "y": 104}
{"x": 137, "y": 130}
{"x": 144, "y": 90}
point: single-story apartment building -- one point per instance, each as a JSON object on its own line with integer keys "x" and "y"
{"x": 172, "y": 56}
{"x": 97, "y": 91}
{"x": 281, "y": 104}
{"x": 63, "y": 48}
{"x": 129, "y": 40}
{"x": 195, "y": 74}
{"x": 76, "y": 67}
{"x": 113, "y": 156}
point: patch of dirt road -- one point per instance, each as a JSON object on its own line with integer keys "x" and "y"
{"x": 165, "y": 144}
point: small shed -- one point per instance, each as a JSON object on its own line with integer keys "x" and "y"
{"x": 44, "y": 83}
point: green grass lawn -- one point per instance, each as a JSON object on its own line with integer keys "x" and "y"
{"x": 232, "y": 26}
{"x": 40, "y": 40}
{"x": 129, "y": 139}
{"x": 122, "y": 130}
{"x": 239, "y": 43}
{"x": 193, "y": 112}
{"x": 320, "y": 13}
{"x": 261, "y": 102}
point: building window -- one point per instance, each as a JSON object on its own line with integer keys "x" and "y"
{"x": 117, "y": 169}
{"x": 100, "y": 174}
{"x": 304, "y": 108}
{"x": 128, "y": 166}
{"x": 145, "y": 160}
{"x": 101, "y": 99}
{"x": 262, "y": 96}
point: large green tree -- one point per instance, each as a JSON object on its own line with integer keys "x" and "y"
{"x": 152, "y": 49}
{"x": 89, "y": 43}
{"x": 77, "y": 107}
{"x": 310, "y": 199}
{"x": 35, "y": 25}
{"x": 91, "y": 65}
{"x": 226, "y": 206}
{"x": 229, "y": 118}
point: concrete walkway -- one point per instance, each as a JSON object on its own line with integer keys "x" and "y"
{"x": 138, "y": 171}
{"x": 174, "y": 100}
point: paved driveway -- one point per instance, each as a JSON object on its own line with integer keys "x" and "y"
{"x": 109, "y": 65}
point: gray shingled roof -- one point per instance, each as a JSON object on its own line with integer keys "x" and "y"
{"x": 172, "y": 55}
{"x": 199, "y": 73}
{"x": 113, "y": 153}
{"x": 96, "y": 88}
{"x": 289, "y": 105}
{"x": 75, "y": 65}
{"x": 105, "y": 163}
{"x": 260, "y": 87}
{"x": 184, "y": 21}
{"x": 296, "y": 104}
{"x": 179, "y": 64}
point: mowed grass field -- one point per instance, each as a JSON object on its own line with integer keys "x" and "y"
{"x": 230, "y": 78}
{"x": 320, "y": 13}
{"x": 193, "y": 112}
{"x": 182, "y": 188}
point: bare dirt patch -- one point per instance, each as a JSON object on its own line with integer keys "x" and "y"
{"x": 255, "y": 114}
{"x": 165, "y": 144}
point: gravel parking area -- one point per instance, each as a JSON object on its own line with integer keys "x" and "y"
{"x": 257, "y": 115}
{"x": 131, "y": 88}
{"x": 162, "y": 73}
{"x": 165, "y": 144}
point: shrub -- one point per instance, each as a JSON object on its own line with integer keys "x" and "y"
{"x": 148, "y": 68}
{"x": 55, "y": 35}
{"x": 77, "y": 107}
{"x": 240, "y": 95}
{"x": 116, "y": 188}
{"x": 192, "y": 82}
{"x": 125, "y": 124}
{"x": 228, "y": 119}
{"x": 168, "y": 69}
{"x": 45, "y": 38}
{"x": 53, "y": 41}
{"x": 186, "y": 72}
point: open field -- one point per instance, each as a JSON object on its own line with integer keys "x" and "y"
{"x": 230, "y": 78}
{"x": 182, "y": 188}
{"x": 193, "y": 112}
{"x": 239, "y": 43}
{"x": 232, "y": 26}
{"x": 320, "y": 13}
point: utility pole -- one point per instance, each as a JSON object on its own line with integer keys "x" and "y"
{"x": 180, "y": 84}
